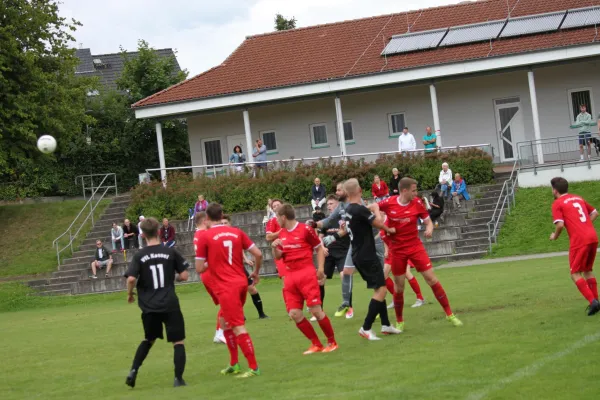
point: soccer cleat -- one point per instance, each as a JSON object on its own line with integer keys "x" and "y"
{"x": 369, "y": 335}
{"x": 390, "y": 306}
{"x": 313, "y": 349}
{"x": 232, "y": 370}
{"x": 593, "y": 308}
{"x": 342, "y": 310}
{"x": 455, "y": 321}
{"x": 390, "y": 330}
{"x": 219, "y": 338}
{"x": 179, "y": 382}
{"x": 130, "y": 380}
{"x": 350, "y": 313}
{"x": 313, "y": 319}
{"x": 264, "y": 316}
{"x": 400, "y": 326}
{"x": 251, "y": 373}
{"x": 419, "y": 303}
{"x": 330, "y": 347}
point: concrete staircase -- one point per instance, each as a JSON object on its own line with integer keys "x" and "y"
{"x": 463, "y": 234}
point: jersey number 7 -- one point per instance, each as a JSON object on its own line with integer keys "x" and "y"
{"x": 229, "y": 245}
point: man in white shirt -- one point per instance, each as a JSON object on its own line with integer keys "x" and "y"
{"x": 406, "y": 141}
{"x": 445, "y": 181}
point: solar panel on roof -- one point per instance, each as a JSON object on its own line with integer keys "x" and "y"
{"x": 533, "y": 24}
{"x": 582, "y": 17}
{"x": 414, "y": 41}
{"x": 473, "y": 33}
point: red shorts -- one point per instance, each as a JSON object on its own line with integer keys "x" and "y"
{"x": 280, "y": 265}
{"x": 388, "y": 261}
{"x": 205, "y": 277}
{"x": 300, "y": 286}
{"x": 415, "y": 256}
{"x": 581, "y": 259}
{"x": 232, "y": 302}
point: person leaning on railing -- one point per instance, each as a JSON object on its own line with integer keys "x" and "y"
{"x": 237, "y": 158}
{"x": 260, "y": 155}
{"x": 584, "y": 122}
{"x": 429, "y": 140}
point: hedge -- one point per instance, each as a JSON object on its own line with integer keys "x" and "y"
{"x": 239, "y": 193}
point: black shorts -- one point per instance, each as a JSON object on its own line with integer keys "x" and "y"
{"x": 332, "y": 263}
{"x": 250, "y": 280}
{"x": 174, "y": 325}
{"x": 371, "y": 272}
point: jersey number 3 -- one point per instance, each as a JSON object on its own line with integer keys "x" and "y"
{"x": 158, "y": 279}
{"x": 582, "y": 216}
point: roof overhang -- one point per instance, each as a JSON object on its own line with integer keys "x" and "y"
{"x": 339, "y": 86}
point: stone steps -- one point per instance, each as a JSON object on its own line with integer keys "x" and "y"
{"x": 60, "y": 292}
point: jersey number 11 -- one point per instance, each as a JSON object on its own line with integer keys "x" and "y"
{"x": 159, "y": 281}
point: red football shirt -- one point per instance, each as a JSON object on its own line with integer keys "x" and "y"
{"x": 298, "y": 246}
{"x": 382, "y": 234}
{"x": 404, "y": 218}
{"x": 273, "y": 226}
{"x": 222, "y": 246}
{"x": 574, "y": 212}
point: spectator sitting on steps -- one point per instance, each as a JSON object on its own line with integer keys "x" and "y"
{"x": 116, "y": 234}
{"x": 445, "y": 180}
{"x": 318, "y": 194}
{"x": 130, "y": 233}
{"x": 201, "y": 204}
{"x": 394, "y": 181}
{"x": 379, "y": 189}
{"x": 318, "y": 215}
{"x": 102, "y": 258}
{"x": 167, "y": 233}
{"x": 437, "y": 207}
{"x": 459, "y": 190}
{"x": 141, "y": 234}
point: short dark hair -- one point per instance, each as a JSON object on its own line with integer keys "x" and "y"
{"x": 150, "y": 228}
{"x": 237, "y": 147}
{"x": 227, "y": 217}
{"x": 332, "y": 197}
{"x": 276, "y": 200}
{"x": 287, "y": 211}
{"x": 214, "y": 212}
{"x": 561, "y": 185}
{"x": 406, "y": 183}
{"x": 318, "y": 208}
{"x": 406, "y": 127}
{"x": 199, "y": 218}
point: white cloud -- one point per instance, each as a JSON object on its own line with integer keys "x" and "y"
{"x": 205, "y": 32}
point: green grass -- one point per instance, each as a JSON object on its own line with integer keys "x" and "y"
{"x": 27, "y": 232}
{"x": 529, "y": 225}
{"x": 524, "y": 338}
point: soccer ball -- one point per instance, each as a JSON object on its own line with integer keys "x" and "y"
{"x": 46, "y": 144}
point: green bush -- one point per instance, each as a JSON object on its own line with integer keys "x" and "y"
{"x": 238, "y": 193}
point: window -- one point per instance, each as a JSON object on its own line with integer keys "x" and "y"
{"x": 318, "y": 135}
{"x": 212, "y": 151}
{"x": 397, "y": 122}
{"x": 348, "y": 133}
{"x": 578, "y": 97}
{"x": 269, "y": 139}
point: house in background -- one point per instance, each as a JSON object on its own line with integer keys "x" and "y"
{"x": 489, "y": 71}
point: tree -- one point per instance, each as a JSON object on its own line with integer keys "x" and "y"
{"x": 283, "y": 24}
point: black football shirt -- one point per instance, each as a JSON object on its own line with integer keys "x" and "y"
{"x": 155, "y": 267}
{"x": 358, "y": 223}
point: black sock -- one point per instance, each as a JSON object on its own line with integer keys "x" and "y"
{"x": 322, "y": 289}
{"x": 141, "y": 354}
{"x": 371, "y": 314}
{"x": 179, "y": 360}
{"x": 383, "y": 314}
{"x": 350, "y": 305}
{"x": 258, "y": 304}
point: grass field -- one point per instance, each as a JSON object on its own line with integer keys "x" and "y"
{"x": 525, "y": 336}
{"x": 27, "y": 232}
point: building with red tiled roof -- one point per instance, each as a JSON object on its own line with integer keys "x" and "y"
{"x": 492, "y": 72}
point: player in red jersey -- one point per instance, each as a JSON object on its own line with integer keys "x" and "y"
{"x": 220, "y": 250}
{"x": 405, "y": 246}
{"x": 573, "y": 213}
{"x": 272, "y": 230}
{"x": 295, "y": 245}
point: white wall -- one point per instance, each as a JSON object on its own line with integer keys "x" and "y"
{"x": 577, "y": 172}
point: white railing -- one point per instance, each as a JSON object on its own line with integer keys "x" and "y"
{"x": 506, "y": 198}
{"x": 90, "y": 186}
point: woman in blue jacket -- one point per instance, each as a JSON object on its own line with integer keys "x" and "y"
{"x": 238, "y": 158}
{"x": 458, "y": 190}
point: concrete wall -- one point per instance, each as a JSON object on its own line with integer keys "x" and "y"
{"x": 577, "y": 172}
{"x": 467, "y": 113}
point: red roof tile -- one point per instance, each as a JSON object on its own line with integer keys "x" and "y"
{"x": 351, "y": 48}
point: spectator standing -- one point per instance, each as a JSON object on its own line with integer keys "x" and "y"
{"x": 379, "y": 189}
{"x": 459, "y": 190}
{"x": 116, "y": 235}
{"x": 318, "y": 194}
{"x": 130, "y": 233}
{"x": 429, "y": 140}
{"x": 167, "y": 233}
{"x": 260, "y": 155}
{"x": 584, "y": 122}
{"x": 406, "y": 141}
{"x": 437, "y": 207}
{"x": 201, "y": 204}
{"x": 102, "y": 258}
{"x": 445, "y": 180}
{"x": 141, "y": 234}
{"x": 394, "y": 181}
{"x": 237, "y": 157}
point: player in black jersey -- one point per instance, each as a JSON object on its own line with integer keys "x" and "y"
{"x": 152, "y": 271}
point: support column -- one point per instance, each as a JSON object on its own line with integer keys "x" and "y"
{"x": 536, "y": 116}
{"x": 161, "y": 152}
{"x": 248, "y": 133}
{"x": 340, "y": 126}
{"x": 436, "y": 115}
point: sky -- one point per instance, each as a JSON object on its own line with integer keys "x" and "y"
{"x": 205, "y": 32}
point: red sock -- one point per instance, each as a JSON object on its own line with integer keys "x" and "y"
{"x": 308, "y": 331}
{"x": 232, "y": 346}
{"x": 440, "y": 295}
{"x": 583, "y": 287}
{"x": 247, "y": 347}
{"x": 414, "y": 284}
{"x": 593, "y": 287}
{"x": 389, "y": 284}
{"x": 327, "y": 329}
{"x": 399, "y": 306}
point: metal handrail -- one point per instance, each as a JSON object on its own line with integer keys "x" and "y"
{"x": 69, "y": 230}
{"x": 504, "y": 201}
{"x": 91, "y": 187}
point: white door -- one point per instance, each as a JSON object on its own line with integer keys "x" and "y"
{"x": 236, "y": 140}
{"x": 509, "y": 122}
